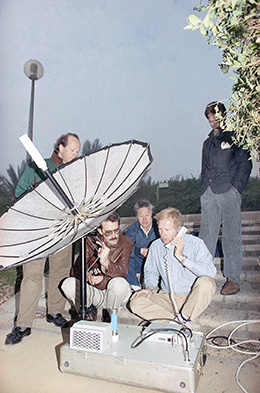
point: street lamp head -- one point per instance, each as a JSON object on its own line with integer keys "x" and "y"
{"x": 33, "y": 69}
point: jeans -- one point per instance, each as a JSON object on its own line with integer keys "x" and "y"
{"x": 135, "y": 266}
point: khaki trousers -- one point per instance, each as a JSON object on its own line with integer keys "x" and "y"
{"x": 116, "y": 294}
{"x": 190, "y": 304}
{"x": 31, "y": 286}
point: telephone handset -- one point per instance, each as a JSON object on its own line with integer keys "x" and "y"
{"x": 181, "y": 232}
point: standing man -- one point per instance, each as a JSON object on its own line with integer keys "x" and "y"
{"x": 142, "y": 232}
{"x": 66, "y": 149}
{"x": 224, "y": 174}
{"x": 186, "y": 269}
{"x": 107, "y": 257}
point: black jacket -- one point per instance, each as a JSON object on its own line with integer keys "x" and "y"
{"x": 224, "y": 166}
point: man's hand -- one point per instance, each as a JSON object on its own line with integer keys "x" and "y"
{"x": 93, "y": 280}
{"x": 147, "y": 292}
{"x": 144, "y": 252}
{"x": 103, "y": 258}
{"x": 178, "y": 242}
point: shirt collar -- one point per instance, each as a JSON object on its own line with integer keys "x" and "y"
{"x": 56, "y": 159}
{"x": 146, "y": 233}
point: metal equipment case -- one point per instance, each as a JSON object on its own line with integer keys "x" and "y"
{"x": 152, "y": 364}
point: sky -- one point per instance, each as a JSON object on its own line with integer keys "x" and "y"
{"x": 115, "y": 70}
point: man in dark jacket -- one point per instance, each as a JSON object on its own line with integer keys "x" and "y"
{"x": 224, "y": 174}
{"x": 142, "y": 232}
{"x": 107, "y": 257}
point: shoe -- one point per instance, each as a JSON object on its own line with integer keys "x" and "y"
{"x": 17, "y": 335}
{"x": 91, "y": 313}
{"x": 230, "y": 288}
{"x": 58, "y": 320}
{"x": 105, "y": 316}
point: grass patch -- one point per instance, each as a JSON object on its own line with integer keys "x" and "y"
{"x": 12, "y": 277}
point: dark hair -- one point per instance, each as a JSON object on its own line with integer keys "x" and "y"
{"x": 143, "y": 203}
{"x": 211, "y": 108}
{"x": 63, "y": 140}
{"x": 113, "y": 218}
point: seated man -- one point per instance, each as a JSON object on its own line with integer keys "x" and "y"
{"x": 107, "y": 257}
{"x": 186, "y": 272}
{"x": 143, "y": 232}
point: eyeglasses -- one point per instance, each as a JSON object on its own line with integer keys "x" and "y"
{"x": 108, "y": 233}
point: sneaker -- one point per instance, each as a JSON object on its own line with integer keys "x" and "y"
{"x": 230, "y": 288}
{"x": 58, "y": 320}
{"x": 17, "y": 335}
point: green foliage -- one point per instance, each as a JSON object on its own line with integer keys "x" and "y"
{"x": 89, "y": 147}
{"x": 251, "y": 195}
{"x": 234, "y": 27}
{"x": 8, "y": 186}
{"x": 4, "y": 204}
{"x": 11, "y": 277}
{"x": 145, "y": 190}
{"x": 184, "y": 195}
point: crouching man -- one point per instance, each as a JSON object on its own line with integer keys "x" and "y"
{"x": 187, "y": 274}
{"x": 107, "y": 257}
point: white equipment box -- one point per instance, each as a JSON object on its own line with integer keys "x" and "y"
{"x": 159, "y": 363}
{"x": 89, "y": 336}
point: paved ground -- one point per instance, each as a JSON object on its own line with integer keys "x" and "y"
{"x": 33, "y": 365}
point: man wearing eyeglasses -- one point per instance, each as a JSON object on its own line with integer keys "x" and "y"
{"x": 107, "y": 256}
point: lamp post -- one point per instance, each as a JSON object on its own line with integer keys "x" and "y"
{"x": 161, "y": 185}
{"x": 34, "y": 71}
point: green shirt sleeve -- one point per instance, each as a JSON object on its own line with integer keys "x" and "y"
{"x": 31, "y": 176}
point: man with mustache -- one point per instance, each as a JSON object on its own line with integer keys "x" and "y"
{"x": 107, "y": 257}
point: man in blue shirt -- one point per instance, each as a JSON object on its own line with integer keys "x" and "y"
{"x": 142, "y": 232}
{"x": 187, "y": 273}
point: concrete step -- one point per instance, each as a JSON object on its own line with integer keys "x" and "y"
{"x": 251, "y": 251}
{"x": 251, "y": 230}
{"x": 249, "y": 276}
{"x": 247, "y": 232}
{"x": 247, "y": 298}
{"x": 251, "y": 247}
{"x": 250, "y": 223}
{"x": 251, "y": 240}
{"x": 249, "y": 265}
